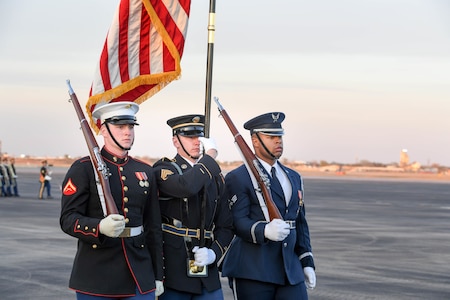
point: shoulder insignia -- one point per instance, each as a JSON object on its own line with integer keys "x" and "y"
{"x": 70, "y": 188}
{"x": 167, "y": 159}
{"x": 165, "y": 173}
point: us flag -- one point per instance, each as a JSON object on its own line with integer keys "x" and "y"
{"x": 142, "y": 52}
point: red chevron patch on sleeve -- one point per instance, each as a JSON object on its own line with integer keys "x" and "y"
{"x": 70, "y": 188}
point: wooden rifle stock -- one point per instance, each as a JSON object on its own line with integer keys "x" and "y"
{"x": 253, "y": 163}
{"x": 96, "y": 157}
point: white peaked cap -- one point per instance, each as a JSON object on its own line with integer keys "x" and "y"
{"x": 123, "y": 112}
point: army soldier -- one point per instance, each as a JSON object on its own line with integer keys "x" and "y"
{"x": 269, "y": 259}
{"x": 197, "y": 223}
{"x": 119, "y": 256}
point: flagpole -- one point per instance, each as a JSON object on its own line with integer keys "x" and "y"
{"x": 209, "y": 67}
{"x": 209, "y": 64}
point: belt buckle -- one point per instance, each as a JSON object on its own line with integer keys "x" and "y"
{"x": 291, "y": 224}
{"x": 125, "y": 233}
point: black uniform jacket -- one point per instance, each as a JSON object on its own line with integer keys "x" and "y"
{"x": 251, "y": 255}
{"x": 180, "y": 199}
{"x": 113, "y": 266}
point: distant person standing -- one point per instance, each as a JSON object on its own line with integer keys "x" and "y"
{"x": 13, "y": 177}
{"x": 6, "y": 189}
{"x": 44, "y": 179}
{"x": 1, "y": 183}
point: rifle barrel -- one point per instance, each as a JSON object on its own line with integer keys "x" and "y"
{"x": 253, "y": 164}
{"x": 94, "y": 151}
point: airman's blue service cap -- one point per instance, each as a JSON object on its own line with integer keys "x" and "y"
{"x": 269, "y": 124}
{"x": 188, "y": 125}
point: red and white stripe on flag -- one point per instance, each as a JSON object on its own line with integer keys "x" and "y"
{"x": 142, "y": 52}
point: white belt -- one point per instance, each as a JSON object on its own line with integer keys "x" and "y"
{"x": 131, "y": 231}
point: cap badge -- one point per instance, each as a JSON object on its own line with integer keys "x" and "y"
{"x": 275, "y": 117}
{"x": 196, "y": 119}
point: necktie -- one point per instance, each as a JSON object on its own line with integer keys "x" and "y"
{"x": 275, "y": 182}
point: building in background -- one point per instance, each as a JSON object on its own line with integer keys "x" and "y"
{"x": 404, "y": 158}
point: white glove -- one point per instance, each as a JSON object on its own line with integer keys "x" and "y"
{"x": 209, "y": 146}
{"x": 310, "y": 277}
{"x": 112, "y": 225}
{"x": 277, "y": 230}
{"x": 159, "y": 288}
{"x": 203, "y": 256}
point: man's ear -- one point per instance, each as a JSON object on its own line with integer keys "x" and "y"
{"x": 255, "y": 140}
{"x": 103, "y": 131}
{"x": 175, "y": 141}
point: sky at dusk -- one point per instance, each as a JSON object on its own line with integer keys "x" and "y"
{"x": 357, "y": 79}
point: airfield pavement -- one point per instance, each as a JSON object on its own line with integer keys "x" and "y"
{"x": 371, "y": 238}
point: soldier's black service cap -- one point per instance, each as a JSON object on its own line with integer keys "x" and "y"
{"x": 269, "y": 123}
{"x": 188, "y": 125}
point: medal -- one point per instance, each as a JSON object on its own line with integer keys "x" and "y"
{"x": 142, "y": 177}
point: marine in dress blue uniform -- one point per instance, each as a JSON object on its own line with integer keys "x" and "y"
{"x": 268, "y": 259}
{"x": 118, "y": 256}
{"x": 184, "y": 183}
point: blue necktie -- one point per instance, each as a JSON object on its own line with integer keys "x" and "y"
{"x": 275, "y": 182}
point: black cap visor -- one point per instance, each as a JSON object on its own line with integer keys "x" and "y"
{"x": 121, "y": 120}
{"x": 189, "y": 131}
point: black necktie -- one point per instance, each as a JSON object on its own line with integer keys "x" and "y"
{"x": 275, "y": 182}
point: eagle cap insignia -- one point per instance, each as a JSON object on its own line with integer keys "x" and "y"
{"x": 275, "y": 117}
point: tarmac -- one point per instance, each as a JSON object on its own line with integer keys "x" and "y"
{"x": 372, "y": 239}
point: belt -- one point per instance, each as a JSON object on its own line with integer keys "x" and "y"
{"x": 182, "y": 231}
{"x": 131, "y": 231}
{"x": 291, "y": 224}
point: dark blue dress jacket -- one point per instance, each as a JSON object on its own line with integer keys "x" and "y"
{"x": 251, "y": 255}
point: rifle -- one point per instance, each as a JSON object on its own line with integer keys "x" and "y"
{"x": 253, "y": 165}
{"x": 100, "y": 167}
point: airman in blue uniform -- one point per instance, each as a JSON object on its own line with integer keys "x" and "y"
{"x": 268, "y": 259}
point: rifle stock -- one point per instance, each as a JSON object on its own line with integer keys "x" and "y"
{"x": 94, "y": 151}
{"x": 253, "y": 164}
